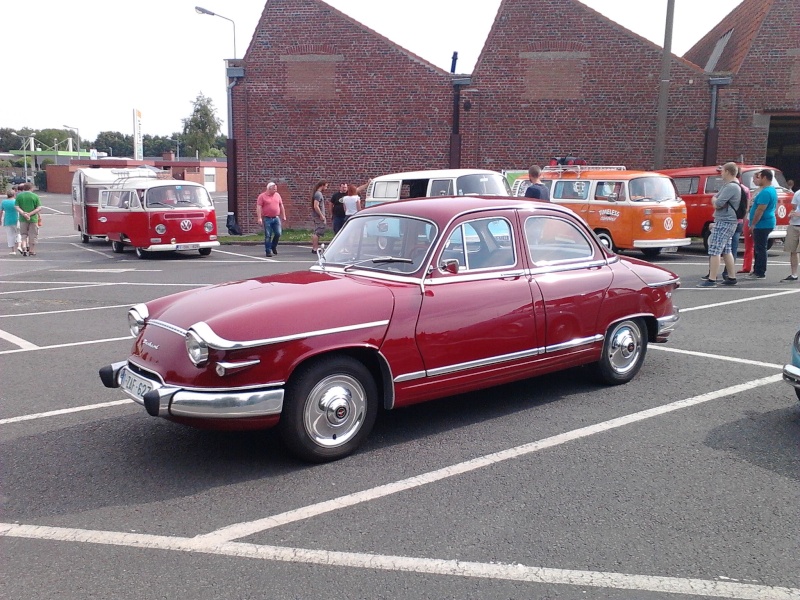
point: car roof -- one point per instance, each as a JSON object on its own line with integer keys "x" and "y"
{"x": 443, "y": 208}
{"x": 437, "y": 173}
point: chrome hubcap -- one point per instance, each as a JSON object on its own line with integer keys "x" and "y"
{"x": 625, "y": 347}
{"x": 335, "y": 410}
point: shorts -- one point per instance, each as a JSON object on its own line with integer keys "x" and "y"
{"x": 792, "y": 242}
{"x": 319, "y": 226}
{"x": 29, "y": 229}
{"x": 719, "y": 242}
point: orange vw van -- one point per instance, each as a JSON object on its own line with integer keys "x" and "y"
{"x": 628, "y": 210}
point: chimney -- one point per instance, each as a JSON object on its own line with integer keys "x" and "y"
{"x": 170, "y": 156}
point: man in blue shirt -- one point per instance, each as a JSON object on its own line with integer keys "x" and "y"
{"x": 762, "y": 221}
{"x": 537, "y": 190}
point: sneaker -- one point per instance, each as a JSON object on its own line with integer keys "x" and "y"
{"x": 730, "y": 281}
{"x": 725, "y": 276}
{"x": 269, "y": 254}
{"x": 707, "y": 283}
{"x": 706, "y": 277}
{"x": 275, "y": 251}
{"x": 755, "y": 276}
{"x": 789, "y": 279}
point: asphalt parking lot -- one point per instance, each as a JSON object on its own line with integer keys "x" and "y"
{"x": 683, "y": 483}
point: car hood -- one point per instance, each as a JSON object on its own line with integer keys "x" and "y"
{"x": 280, "y": 305}
{"x": 649, "y": 273}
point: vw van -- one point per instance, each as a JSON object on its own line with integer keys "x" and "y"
{"x": 628, "y": 210}
{"x": 427, "y": 184}
{"x": 697, "y": 185}
{"x": 138, "y": 208}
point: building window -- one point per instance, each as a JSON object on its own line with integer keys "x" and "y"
{"x": 209, "y": 177}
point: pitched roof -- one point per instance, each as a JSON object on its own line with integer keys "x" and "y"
{"x": 724, "y": 48}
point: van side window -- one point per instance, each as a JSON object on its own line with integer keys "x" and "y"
{"x": 687, "y": 185}
{"x": 609, "y": 190}
{"x": 386, "y": 189}
{"x": 442, "y": 187}
{"x": 570, "y": 190}
{"x": 713, "y": 184}
{"x": 552, "y": 240}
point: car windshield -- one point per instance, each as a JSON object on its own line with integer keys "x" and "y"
{"x": 387, "y": 243}
{"x": 482, "y": 184}
{"x": 778, "y": 180}
{"x": 177, "y": 196}
{"x": 651, "y": 188}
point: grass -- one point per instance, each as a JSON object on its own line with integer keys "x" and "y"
{"x": 288, "y": 235}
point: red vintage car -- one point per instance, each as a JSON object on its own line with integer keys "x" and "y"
{"x": 412, "y": 300}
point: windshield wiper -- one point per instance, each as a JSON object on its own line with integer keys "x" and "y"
{"x": 157, "y": 203}
{"x": 380, "y": 260}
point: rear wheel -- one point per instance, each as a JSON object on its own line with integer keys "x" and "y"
{"x": 117, "y": 246}
{"x": 623, "y": 352}
{"x": 706, "y": 235}
{"x": 606, "y": 239}
{"x": 204, "y": 251}
{"x": 330, "y": 408}
{"x": 651, "y": 252}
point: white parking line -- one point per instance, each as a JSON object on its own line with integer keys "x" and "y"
{"x": 55, "y": 289}
{"x": 83, "y": 247}
{"x": 265, "y": 259}
{"x": 727, "y": 302}
{"x": 244, "y": 529}
{"x": 17, "y": 341}
{"x": 68, "y": 345}
{"x": 743, "y": 361}
{"x": 63, "y": 411}
{"x": 66, "y": 310}
{"x": 410, "y": 564}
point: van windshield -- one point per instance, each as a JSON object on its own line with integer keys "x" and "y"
{"x": 651, "y": 189}
{"x": 177, "y": 196}
{"x": 488, "y": 184}
{"x": 778, "y": 180}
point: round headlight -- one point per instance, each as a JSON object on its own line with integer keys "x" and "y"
{"x": 684, "y": 223}
{"x": 209, "y": 227}
{"x": 161, "y": 229}
{"x": 137, "y": 317}
{"x": 647, "y": 225}
{"x": 197, "y": 348}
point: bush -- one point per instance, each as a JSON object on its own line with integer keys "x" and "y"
{"x": 40, "y": 180}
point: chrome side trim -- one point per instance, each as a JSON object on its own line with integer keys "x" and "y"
{"x": 168, "y": 326}
{"x": 484, "y": 362}
{"x": 574, "y": 343}
{"x": 213, "y": 340}
{"x": 564, "y": 266}
{"x": 238, "y": 365}
{"x": 409, "y": 376}
{"x": 673, "y": 281}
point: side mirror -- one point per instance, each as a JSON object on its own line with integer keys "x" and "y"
{"x": 451, "y": 266}
{"x": 613, "y": 197}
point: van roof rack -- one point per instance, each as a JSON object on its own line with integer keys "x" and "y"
{"x": 581, "y": 168}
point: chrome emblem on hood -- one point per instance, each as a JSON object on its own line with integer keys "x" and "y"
{"x": 186, "y": 224}
{"x": 150, "y": 344}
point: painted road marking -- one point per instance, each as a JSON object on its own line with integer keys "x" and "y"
{"x": 63, "y": 411}
{"x": 106, "y": 270}
{"x": 743, "y": 361}
{"x": 727, "y": 302}
{"x": 17, "y": 341}
{"x": 247, "y": 528}
{"x": 410, "y": 564}
{"x": 66, "y": 310}
{"x": 67, "y": 345}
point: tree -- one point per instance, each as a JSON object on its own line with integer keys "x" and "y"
{"x": 114, "y": 143}
{"x": 201, "y": 129}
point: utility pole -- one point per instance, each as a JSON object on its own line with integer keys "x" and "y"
{"x": 663, "y": 90}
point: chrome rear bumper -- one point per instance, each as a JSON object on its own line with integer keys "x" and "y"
{"x": 666, "y": 325}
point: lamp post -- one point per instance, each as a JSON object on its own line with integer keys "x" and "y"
{"x": 25, "y": 140}
{"x": 234, "y": 72}
{"x": 177, "y": 146}
{"x": 204, "y": 11}
{"x": 78, "y": 133}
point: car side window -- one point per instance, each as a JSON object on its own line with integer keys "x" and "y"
{"x": 554, "y": 240}
{"x": 480, "y": 244}
{"x": 686, "y": 185}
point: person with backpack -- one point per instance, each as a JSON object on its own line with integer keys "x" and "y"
{"x": 741, "y": 215}
{"x": 726, "y": 202}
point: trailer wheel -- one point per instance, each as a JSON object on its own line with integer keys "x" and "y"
{"x": 117, "y": 247}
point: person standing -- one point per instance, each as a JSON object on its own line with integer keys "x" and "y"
{"x": 28, "y": 206}
{"x": 537, "y": 190}
{"x": 10, "y": 217}
{"x": 352, "y": 202}
{"x": 337, "y": 208}
{"x": 741, "y": 223}
{"x": 725, "y": 203}
{"x": 792, "y": 242}
{"x": 762, "y": 222}
{"x": 270, "y": 211}
{"x": 318, "y": 213}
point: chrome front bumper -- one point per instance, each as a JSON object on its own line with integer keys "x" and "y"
{"x": 668, "y": 243}
{"x": 791, "y": 375}
{"x": 171, "y": 401}
{"x": 666, "y": 325}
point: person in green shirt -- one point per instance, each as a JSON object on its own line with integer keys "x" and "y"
{"x": 28, "y": 206}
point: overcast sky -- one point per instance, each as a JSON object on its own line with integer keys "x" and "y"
{"x": 89, "y": 63}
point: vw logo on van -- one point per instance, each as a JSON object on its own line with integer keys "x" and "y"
{"x": 186, "y": 224}
{"x": 668, "y": 224}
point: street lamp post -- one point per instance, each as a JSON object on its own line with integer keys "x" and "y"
{"x": 78, "y": 133}
{"x": 234, "y": 72}
{"x": 177, "y": 146}
{"x": 25, "y": 140}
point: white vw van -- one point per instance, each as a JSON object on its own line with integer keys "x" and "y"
{"x": 446, "y": 182}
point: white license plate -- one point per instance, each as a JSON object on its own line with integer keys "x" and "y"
{"x": 135, "y": 384}
{"x": 187, "y": 247}
{"x": 670, "y": 249}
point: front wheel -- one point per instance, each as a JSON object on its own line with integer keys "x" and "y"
{"x": 330, "y": 408}
{"x": 204, "y": 251}
{"x": 624, "y": 350}
{"x": 141, "y": 253}
{"x": 605, "y": 239}
{"x": 651, "y": 252}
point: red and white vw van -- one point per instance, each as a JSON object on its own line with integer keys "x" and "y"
{"x": 136, "y": 207}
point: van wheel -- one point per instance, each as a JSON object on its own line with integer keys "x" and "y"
{"x": 330, "y": 407}
{"x": 706, "y": 235}
{"x": 141, "y": 253}
{"x": 651, "y": 252}
{"x": 204, "y": 251}
{"x": 84, "y": 238}
{"x": 385, "y": 244}
{"x": 117, "y": 247}
{"x": 606, "y": 239}
{"x": 770, "y": 243}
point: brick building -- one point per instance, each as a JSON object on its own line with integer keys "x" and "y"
{"x": 342, "y": 102}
